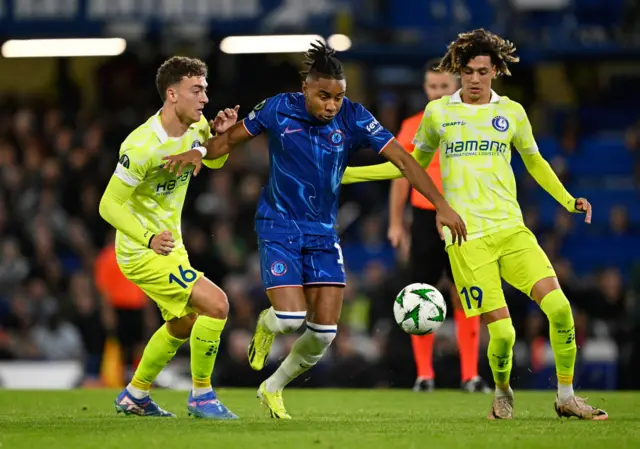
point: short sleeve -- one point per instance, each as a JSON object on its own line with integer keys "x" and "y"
{"x": 133, "y": 165}
{"x": 372, "y": 134}
{"x": 523, "y": 138}
{"x": 261, "y": 116}
{"x": 427, "y": 137}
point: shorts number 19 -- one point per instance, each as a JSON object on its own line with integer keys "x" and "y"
{"x": 474, "y": 293}
{"x": 187, "y": 276}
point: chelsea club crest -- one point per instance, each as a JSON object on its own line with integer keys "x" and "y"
{"x": 336, "y": 137}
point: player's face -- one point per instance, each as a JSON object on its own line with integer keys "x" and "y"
{"x": 324, "y": 97}
{"x": 190, "y": 98}
{"x": 437, "y": 85}
{"x": 476, "y": 79}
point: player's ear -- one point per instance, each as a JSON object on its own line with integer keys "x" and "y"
{"x": 172, "y": 94}
{"x": 304, "y": 88}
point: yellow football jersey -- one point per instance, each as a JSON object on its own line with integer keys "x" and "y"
{"x": 159, "y": 195}
{"x": 475, "y": 157}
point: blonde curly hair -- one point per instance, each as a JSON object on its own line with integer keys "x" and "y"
{"x": 476, "y": 43}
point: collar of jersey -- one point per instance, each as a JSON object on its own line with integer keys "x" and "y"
{"x": 456, "y": 98}
{"x": 156, "y": 126}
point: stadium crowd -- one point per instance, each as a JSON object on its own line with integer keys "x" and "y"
{"x": 61, "y": 297}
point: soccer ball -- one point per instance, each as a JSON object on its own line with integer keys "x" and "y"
{"x": 419, "y": 309}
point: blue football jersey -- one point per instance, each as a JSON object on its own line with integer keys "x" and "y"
{"x": 308, "y": 158}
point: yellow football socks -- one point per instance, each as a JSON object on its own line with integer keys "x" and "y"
{"x": 562, "y": 335}
{"x": 502, "y": 337}
{"x": 204, "y": 342}
{"x": 159, "y": 351}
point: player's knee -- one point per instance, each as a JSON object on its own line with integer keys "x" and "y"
{"x": 502, "y": 332}
{"x": 323, "y": 334}
{"x": 557, "y": 307}
{"x": 287, "y": 322}
{"x": 208, "y": 299}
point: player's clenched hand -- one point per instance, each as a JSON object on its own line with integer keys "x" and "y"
{"x": 584, "y": 206}
{"x": 448, "y": 217}
{"x": 396, "y": 235}
{"x": 162, "y": 243}
{"x": 224, "y": 120}
{"x": 177, "y": 162}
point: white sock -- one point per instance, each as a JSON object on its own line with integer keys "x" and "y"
{"x": 136, "y": 392}
{"x": 200, "y": 391}
{"x": 565, "y": 392}
{"x": 500, "y": 393}
{"x": 283, "y": 322}
{"x": 305, "y": 353}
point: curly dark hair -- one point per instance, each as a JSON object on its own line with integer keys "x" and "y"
{"x": 174, "y": 69}
{"x": 320, "y": 61}
{"x": 477, "y": 43}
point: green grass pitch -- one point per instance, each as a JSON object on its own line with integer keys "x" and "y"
{"x": 339, "y": 419}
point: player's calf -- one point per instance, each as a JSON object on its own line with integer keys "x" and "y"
{"x": 181, "y": 327}
{"x": 285, "y": 316}
{"x": 282, "y": 322}
{"x": 305, "y": 354}
{"x": 270, "y": 323}
{"x": 502, "y": 337}
{"x": 213, "y": 307}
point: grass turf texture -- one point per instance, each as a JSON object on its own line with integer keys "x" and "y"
{"x": 337, "y": 419}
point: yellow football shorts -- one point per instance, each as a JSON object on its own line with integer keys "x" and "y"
{"x": 167, "y": 280}
{"x": 479, "y": 266}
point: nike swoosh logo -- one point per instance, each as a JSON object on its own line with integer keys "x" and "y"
{"x": 291, "y": 131}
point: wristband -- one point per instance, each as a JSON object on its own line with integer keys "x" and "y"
{"x": 202, "y": 150}
{"x": 150, "y": 238}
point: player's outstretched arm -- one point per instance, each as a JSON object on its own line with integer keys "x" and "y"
{"x": 421, "y": 181}
{"x": 216, "y": 148}
{"x": 398, "y": 196}
{"x": 383, "y": 172}
{"x": 544, "y": 175}
{"x": 540, "y": 169}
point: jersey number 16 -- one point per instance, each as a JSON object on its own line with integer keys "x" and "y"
{"x": 186, "y": 277}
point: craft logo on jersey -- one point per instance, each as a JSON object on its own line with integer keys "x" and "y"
{"x": 278, "y": 268}
{"x": 124, "y": 161}
{"x": 336, "y": 137}
{"x": 500, "y": 123}
{"x": 454, "y": 124}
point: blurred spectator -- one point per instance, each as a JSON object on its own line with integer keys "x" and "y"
{"x": 14, "y": 267}
{"x": 92, "y": 323}
{"x": 619, "y": 220}
{"x": 57, "y": 339}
